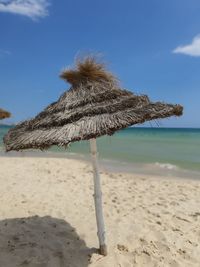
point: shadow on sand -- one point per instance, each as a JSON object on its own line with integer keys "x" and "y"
{"x": 41, "y": 242}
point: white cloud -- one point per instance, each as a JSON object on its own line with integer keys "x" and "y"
{"x": 34, "y": 9}
{"x": 192, "y": 49}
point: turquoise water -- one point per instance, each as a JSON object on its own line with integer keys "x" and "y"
{"x": 164, "y": 147}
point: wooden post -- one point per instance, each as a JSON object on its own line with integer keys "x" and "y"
{"x": 98, "y": 199}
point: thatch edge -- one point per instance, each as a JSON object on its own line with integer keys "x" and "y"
{"x": 4, "y": 114}
{"x": 71, "y": 133}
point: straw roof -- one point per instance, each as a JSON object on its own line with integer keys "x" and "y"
{"x": 4, "y": 114}
{"x": 95, "y": 105}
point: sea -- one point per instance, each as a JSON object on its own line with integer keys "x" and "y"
{"x": 154, "y": 151}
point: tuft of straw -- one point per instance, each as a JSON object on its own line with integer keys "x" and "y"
{"x": 88, "y": 69}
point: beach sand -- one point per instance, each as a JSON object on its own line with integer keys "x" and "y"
{"x": 47, "y": 216}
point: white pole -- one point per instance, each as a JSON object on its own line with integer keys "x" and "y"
{"x": 98, "y": 199}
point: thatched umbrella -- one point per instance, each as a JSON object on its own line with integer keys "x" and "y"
{"x": 95, "y": 105}
{"x": 4, "y": 114}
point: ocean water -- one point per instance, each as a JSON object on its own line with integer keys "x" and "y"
{"x": 168, "y": 150}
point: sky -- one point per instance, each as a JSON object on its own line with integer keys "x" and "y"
{"x": 152, "y": 46}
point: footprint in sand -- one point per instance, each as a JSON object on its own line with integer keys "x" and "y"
{"x": 122, "y": 248}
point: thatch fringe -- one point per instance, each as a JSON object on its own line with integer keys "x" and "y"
{"x": 4, "y": 114}
{"x": 86, "y": 128}
{"x": 91, "y": 92}
{"x": 63, "y": 117}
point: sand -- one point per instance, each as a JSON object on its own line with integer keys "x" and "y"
{"x": 47, "y": 216}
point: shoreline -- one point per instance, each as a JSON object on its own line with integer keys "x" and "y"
{"x": 148, "y": 169}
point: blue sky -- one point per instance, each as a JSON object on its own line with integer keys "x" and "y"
{"x": 152, "y": 46}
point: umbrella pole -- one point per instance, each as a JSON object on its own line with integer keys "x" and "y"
{"x": 98, "y": 199}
